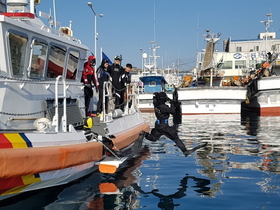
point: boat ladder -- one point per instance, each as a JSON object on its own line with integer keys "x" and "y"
{"x": 55, "y": 122}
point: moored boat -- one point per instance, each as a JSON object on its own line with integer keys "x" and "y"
{"x": 205, "y": 92}
{"x": 42, "y": 138}
{"x": 263, "y": 82}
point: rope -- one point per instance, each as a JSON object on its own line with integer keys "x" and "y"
{"x": 24, "y": 80}
{"x": 26, "y": 114}
{"x": 118, "y": 89}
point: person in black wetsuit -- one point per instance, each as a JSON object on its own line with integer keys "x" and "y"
{"x": 162, "y": 112}
{"x": 116, "y": 71}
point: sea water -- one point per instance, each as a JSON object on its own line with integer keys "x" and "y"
{"x": 238, "y": 169}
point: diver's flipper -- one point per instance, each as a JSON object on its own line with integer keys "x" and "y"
{"x": 188, "y": 152}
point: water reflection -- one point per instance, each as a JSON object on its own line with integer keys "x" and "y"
{"x": 166, "y": 202}
{"x": 105, "y": 191}
{"x": 241, "y": 160}
{"x": 234, "y": 144}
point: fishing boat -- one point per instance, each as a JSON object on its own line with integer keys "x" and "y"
{"x": 46, "y": 139}
{"x": 263, "y": 82}
{"x": 206, "y": 91}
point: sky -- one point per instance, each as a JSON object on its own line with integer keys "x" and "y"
{"x": 177, "y": 26}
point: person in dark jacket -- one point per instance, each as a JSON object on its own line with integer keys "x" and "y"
{"x": 126, "y": 77}
{"x": 116, "y": 71}
{"x": 102, "y": 76}
{"x": 89, "y": 80}
{"x": 126, "y": 80}
{"x": 162, "y": 112}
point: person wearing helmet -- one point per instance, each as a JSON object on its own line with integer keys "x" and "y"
{"x": 116, "y": 71}
{"x": 162, "y": 112}
{"x": 102, "y": 76}
{"x": 89, "y": 80}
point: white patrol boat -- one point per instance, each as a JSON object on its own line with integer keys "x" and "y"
{"x": 42, "y": 110}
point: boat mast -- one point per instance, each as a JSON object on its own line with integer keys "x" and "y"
{"x": 211, "y": 39}
{"x": 154, "y": 47}
{"x": 54, "y": 14}
{"x": 154, "y": 54}
{"x": 267, "y": 26}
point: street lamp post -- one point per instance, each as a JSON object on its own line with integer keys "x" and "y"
{"x": 95, "y": 33}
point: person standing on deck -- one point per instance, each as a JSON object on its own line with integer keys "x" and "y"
{"x": 89, "y": 80}
{"x": 116, "y": 71}
{"x": 162, "y": 112}
{"x": 102, "y": 76}
{"x": 126, "y": 80}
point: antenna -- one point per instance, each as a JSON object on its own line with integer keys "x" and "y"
{"x": 54, "y": 14}
{"x": 154, "y": 21}
{"x": 44, "y": 15}
{"x": 197, "y": 30}
{"x": 267, "y": 22}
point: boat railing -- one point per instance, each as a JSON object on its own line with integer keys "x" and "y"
{"x": 108, "y": 102}
{"x": 59, "y": 33}
{"x": 55, "y": 121}
{"x": 131, "y": 99}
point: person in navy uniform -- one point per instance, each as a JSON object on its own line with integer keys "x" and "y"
{"x": 162, "y": 112}
{"x": 102, "y": 76}
{"x": 116, "y": 71}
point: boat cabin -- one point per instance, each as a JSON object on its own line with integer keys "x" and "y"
{"x": 153, "y": 83}
{"x": 32, "y": 57}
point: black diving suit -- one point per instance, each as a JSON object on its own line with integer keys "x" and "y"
{"x": 162, "y": 112}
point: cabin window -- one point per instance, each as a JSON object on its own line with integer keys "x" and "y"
{"x": 256, "y": 48}
{"x": 38, "y": 59}
{"x": 56, "y": 61}
{"x": 152, "y": 84}
{"x": 275, "y": 47}
{"x": 227, "y": 65}
{"x": 72, "y": 65}
{"x": 240, "y": 64}
{"x": 238, "y": 49}
{"x": 252, "y": 63}
{"x": 18, "y": 45}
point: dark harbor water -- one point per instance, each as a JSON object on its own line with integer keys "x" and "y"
{"x": 239, "y": 169}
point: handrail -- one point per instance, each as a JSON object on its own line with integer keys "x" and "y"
{"x": 59, "y": 33}
{"x": 64, "y": 116}
{"x": 107, "y": 98}
{"x": 131, "y": 97}
{"x": 107, "y": 115}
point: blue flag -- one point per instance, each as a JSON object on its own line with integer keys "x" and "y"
{"x": 104, "y": 56}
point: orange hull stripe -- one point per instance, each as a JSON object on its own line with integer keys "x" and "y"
{"x": 24, "y": 161}
{"x": 123, "y": 140}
